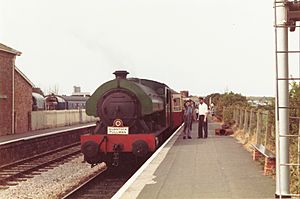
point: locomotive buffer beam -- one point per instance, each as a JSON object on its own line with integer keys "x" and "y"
{"x": 293, "y": 14}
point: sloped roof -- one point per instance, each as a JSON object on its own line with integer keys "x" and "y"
{"x": 24, "y": 76}
{"x": 9, "y": 49}
{"x": 40, "y": 100}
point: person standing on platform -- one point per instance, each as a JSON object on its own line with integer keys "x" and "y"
{"x": 202, "y": 118}
{"x": 188, "y": 119}
{"x": 193, "y": 115}
{"x": 197, "y": 112}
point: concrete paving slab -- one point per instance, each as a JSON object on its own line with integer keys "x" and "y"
{"x": 217, "y": 167}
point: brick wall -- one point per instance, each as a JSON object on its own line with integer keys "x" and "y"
{"x": 6, "y": 65}
{"x": 23, "y": 104}
{"x": 23, "y": 97}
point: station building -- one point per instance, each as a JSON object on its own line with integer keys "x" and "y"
{"x": 15, "y": 94}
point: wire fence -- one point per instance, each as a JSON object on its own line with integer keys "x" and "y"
{"x": 257, "y": 123}
{"x": 258, "y": 126}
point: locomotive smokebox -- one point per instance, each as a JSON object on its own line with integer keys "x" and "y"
{"x": 121, "y": 74}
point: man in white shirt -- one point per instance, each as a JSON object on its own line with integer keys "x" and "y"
{"x": 202, "y": 118}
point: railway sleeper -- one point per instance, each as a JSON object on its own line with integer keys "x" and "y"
{"x": 11, "y": 183}
{"x": 43, "y": 170}
{"x": 3, "y": 187}
{"x": 36, "y": 173}
{"x": 10, "y": 172}
{"x": 28, "y": 176}
{"x": 21, "y": 179}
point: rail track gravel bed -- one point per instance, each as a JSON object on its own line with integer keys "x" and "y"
{"x": 53, "y": 183}
{"x": 21, "y": 170}
{"x": 103, "y": 186}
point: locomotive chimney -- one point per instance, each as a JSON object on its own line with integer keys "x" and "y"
{"x": 121, "y": 74}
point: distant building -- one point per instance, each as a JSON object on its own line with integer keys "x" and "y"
{"x": 38, "y": 101}
{"x": 15, "y": 94}
{"x": 77, "y": 92}
{"x": 55, "y": 102}
{"x": 260, "y": 101}
{"x": 61, "y": 102}
{"x": 195, "y": 99}
{"x": 38, "y": 90}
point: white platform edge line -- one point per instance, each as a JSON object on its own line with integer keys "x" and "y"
{"x": 45, "y": 134}
{"x": 143, "y": 167}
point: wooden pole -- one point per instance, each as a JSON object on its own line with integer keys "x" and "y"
{"x": 241, "y": 119}
{"x": 250, "y": 122}
{"x": 267, "y": 129}
{"x": 258, "y": 128}
{"x": 246, "y": 121}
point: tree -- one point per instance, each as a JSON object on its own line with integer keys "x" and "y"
{"x": 53, "y": 90}
{"x": 228, "y": 100}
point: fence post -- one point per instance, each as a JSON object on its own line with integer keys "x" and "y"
{"x": 237, "y": 117}
{"x": 234, "y": 115}
{"x": 241, "y": 119}
{"x": 250, "y": 122}
{"x": 267, "y": 129}
{"x": 272, "y": 130}
{"x": 246, "y": 121}
{"x": 223, "y": 113}
{"x": 258, "y": 128}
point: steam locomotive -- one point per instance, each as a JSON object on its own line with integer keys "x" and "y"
{"x": 136, "y": 116}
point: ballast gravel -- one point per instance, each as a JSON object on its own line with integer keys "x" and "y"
{"x": 54, "y": 183}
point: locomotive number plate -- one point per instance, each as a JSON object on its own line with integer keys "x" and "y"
{"x": 117, "y": 130}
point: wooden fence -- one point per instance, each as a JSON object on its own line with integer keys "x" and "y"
{"x": 253, "y": 122}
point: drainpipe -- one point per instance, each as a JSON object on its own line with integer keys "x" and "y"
{"x": 13, "y": 98}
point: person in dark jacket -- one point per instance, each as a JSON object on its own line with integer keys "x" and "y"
{"x": 188, "y": 119}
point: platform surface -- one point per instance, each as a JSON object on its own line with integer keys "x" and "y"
{"x": 12, "y": 137}
{"x": 216, "y": 167}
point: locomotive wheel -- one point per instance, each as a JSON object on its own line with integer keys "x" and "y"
{"x": 93, "y": 160}
{"x": 140, "y": 148}
{"x": 90, "y": 149}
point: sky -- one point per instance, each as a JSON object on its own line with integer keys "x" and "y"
{"x": 196, "y": 45}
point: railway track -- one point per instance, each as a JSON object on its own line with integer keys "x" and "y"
{"x": 11, "y": 174}
{"x": 103, "y": 185}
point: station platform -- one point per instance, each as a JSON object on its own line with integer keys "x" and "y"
{"x": 15, "y": 137}
{"x": 216, "y": 167}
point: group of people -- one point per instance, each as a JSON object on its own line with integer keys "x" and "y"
{"x": 201, "y": 113}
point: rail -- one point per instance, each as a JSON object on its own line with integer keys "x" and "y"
{"x": 22, "y": 169}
